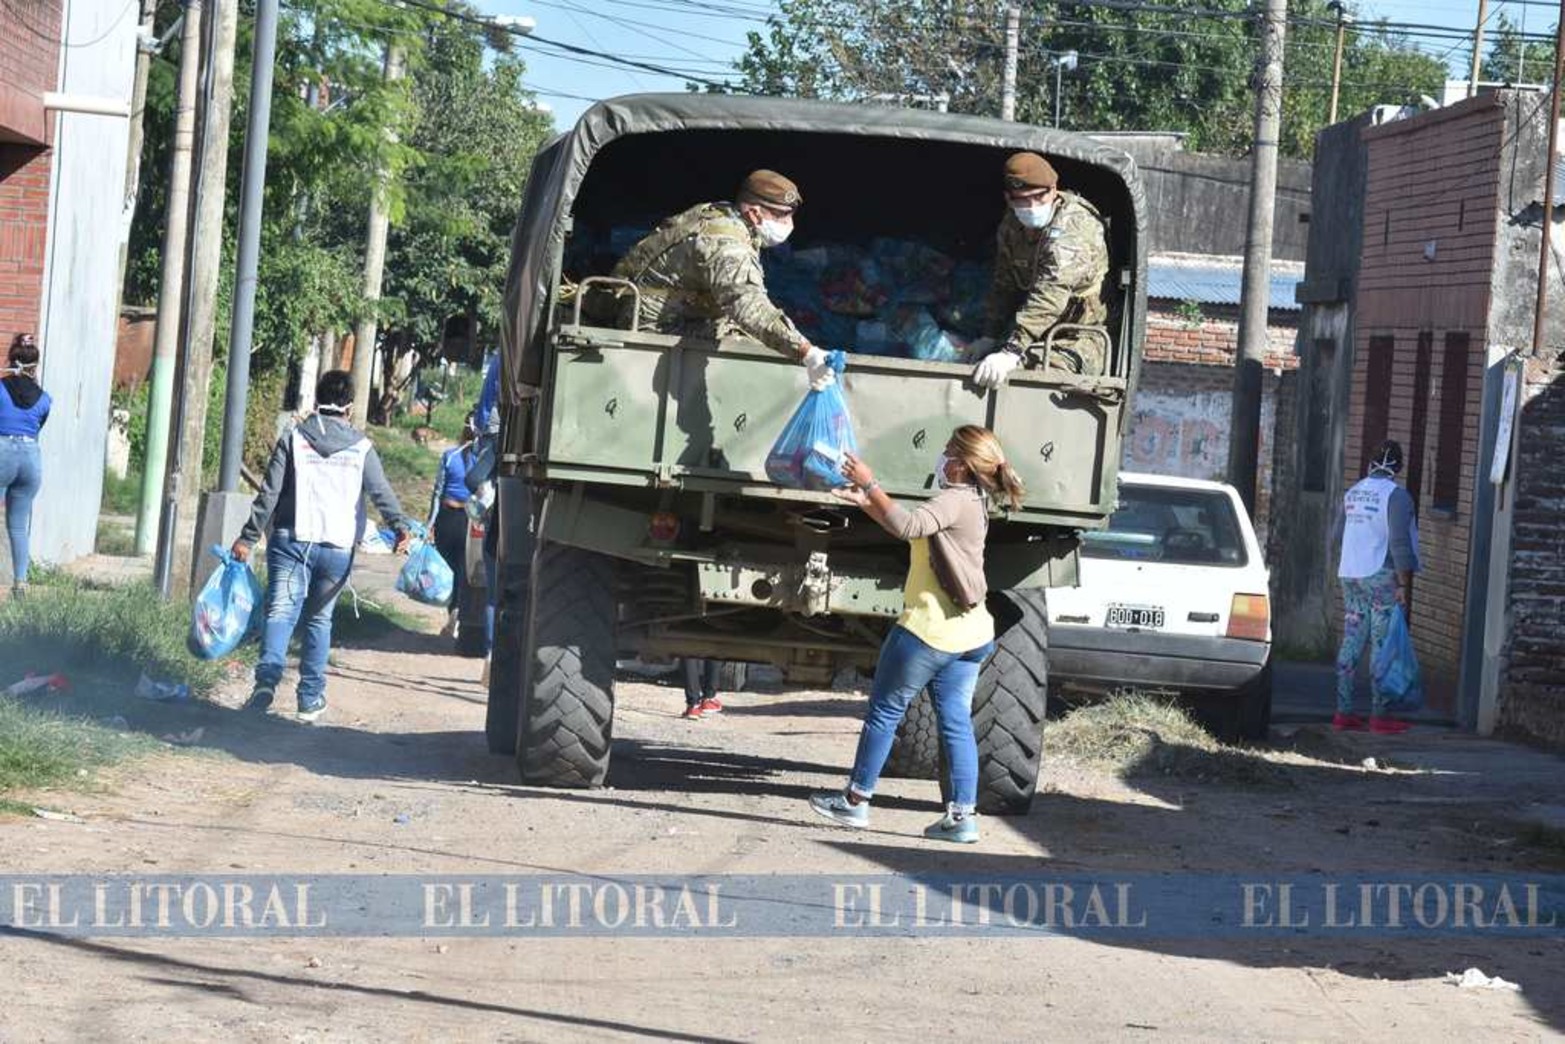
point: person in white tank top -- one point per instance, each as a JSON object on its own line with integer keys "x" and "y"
{"x": 1379, "y": 536}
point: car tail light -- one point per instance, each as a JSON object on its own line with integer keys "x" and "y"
{"x": 664, "y": 526}
{"x": 1250, "y": 617}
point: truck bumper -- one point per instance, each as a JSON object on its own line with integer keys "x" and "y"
{"x": 1100, "y": 660}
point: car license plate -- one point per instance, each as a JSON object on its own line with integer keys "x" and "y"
{"x": 1149, "y": 617}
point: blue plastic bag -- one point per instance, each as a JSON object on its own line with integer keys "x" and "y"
{"x": 425, "y": 576}
{"x": 1396, "y": 666}
{"x": 227, "y": 609}
{"x": 808, "y": 454}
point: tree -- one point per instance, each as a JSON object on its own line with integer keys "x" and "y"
{"x": 1512, "y": 59}
{"x": 1137, "y": 69}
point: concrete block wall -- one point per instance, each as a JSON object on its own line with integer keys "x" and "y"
{"x": 1533, "y": 704}
{"x": 1430, "y": 223}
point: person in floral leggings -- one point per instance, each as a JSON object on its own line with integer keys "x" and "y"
{"x": 1379, "y": 557}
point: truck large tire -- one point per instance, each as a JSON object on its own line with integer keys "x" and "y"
{"x": 915, "y": 753}
{"x": 1009, "y": 704}
{"x": 567, "y": 712}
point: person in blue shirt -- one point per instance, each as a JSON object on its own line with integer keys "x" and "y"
{"x": 449, "y": 509}
{"x": 24, "y": 408}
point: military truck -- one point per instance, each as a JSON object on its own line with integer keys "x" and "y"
{"x": 635, "y": 516}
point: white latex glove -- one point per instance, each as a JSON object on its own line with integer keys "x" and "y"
{"x": 821, "y": 374}
{"x": 981, "y": 348}
{"x": 991, "y": 373}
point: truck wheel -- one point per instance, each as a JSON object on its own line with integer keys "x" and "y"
{"x": 731, "y": 676}
{"x": 915, "y": 753}
{"x": 505, "y": 659}
{"x": 1009, "y": 704}
{"x": 567, "y": 714}
{"x": 470, "y": 621}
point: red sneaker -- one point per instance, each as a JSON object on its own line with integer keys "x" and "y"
{"x": 711, "y": 706}
{"x": 1388, "y": 726}
{"x": 1347, "y": 722}
{"x": 693, "y": 712}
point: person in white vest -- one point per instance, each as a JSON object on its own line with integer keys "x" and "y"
{"x": 313, "y": 500}
{"x": 1379, "y": 557}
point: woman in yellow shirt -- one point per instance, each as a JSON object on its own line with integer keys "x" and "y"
{"x": 944, "y": 633}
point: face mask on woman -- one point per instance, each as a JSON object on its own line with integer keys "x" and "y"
{"x": 1035, "y": 215}
{"x": 942, "y": 462}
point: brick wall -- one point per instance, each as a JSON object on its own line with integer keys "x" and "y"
{"x": 1430, "y": 219}
{"x": 29, "y": 60}
{"x": 1213, "y": 340}
{"x": 1181, "y": 424}
{"x": 1532, "y": 701}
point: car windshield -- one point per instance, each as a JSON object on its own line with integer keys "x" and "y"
{"x": 1164, "y": 524}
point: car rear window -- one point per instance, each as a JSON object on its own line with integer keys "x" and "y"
{"x": 1178, "y": 526}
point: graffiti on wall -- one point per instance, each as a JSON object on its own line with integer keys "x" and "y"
{"x": 1185, "y": 433}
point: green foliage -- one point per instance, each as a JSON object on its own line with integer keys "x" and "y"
{"x": 1190, "y": 314}
{"x": 1514, "y": 60}
{"x": 450, "y": 414}
{"x": 449, "y": 146}
{"x": 41, "y": 749}
{"x": 1137, "y": 70}
{"x": 64, "y": 624}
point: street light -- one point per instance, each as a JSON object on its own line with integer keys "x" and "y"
{"x": 1062, "y": 62}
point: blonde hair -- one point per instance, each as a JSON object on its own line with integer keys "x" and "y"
{"x": 981, "y": 453}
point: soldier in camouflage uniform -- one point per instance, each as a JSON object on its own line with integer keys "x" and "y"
{"x": 699, "y": 272}
{"x": 1050, "y": 267}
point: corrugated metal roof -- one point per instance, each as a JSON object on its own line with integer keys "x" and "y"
{"x": 1209, "y": 279}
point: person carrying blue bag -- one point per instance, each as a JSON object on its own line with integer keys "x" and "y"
{"x": 224, "y": 614}
{"x": 1379, "y": 557}
{"x": 817, "y": 438}
{"x": 426, "y": 576}
{"x": 312, "y": 498}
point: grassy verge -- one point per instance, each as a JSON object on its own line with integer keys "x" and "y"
{"x": 115, "y": 539}
{"x": 65, "y": 625}
{"x": 370, "y": 621}
{"x": 461, "y": 393}
{"x": 1137, "y": 736}
{"x": 42, "y": 749}
{"x": 121, "y": 496}
{"x": 410, "y": 468}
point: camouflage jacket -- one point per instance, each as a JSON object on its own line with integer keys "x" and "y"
{"x": 1050, "y": 276}
{"x": 700, "y": 273}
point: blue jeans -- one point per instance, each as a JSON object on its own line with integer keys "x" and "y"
{"x": 301, "y": 580}
{"x": 21, "y": 473}
{"x": 906, "y": 667}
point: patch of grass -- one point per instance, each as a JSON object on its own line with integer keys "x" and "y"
{"x": 1135, "y": 736}
{"x": 41, "y": 749}
{"x": 114, "y": 539}
{"x": 410, "y": 468}
{"x": 121, "y": 496}
{"x": 373, "y": 620}
{"x": 461, "y": 393}
{"x": 63, "y": 623}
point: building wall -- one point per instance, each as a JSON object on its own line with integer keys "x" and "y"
{"x": 79, "y": 319}
{"x": 29, "y": 64}
{"x": 1214, "y": 339}
{"x": 1533, "y": 699}
{"x": 1182, "y": 419}
{"x": 1430, "y": 221}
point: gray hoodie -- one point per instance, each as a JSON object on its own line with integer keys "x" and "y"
{"x": 326, "y": 435}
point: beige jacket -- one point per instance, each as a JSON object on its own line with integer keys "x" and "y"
{"x": 956, "y": 523}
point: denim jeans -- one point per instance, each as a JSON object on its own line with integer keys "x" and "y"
{"x": 301, "y": 580}
{"x": 21, "y": 473}
{"x": 700, "y": 679}
{"x": 906, "y": 667}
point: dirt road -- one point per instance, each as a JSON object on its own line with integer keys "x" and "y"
{"x": 397, "y": 781}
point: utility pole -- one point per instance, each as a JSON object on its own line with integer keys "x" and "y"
{"x": 171, "y": 286}
{"x": 242, "y": 331}
{"x": 180, "y": 559}
{"x": 1062, "y": 62}
{"x": 374, "y": 267}
{"x": 1483, "y": 16}
{"x": 1549, "y": 187}
{"x": 1013, "y": 43}
{"x": 1341, "y": 11}
{"x": 1255, "y": 293}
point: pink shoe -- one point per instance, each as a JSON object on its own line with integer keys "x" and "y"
{"x": 1388, "y": 726}
{"x": 1347, "y": 722}
{"x": 711, "y": 706}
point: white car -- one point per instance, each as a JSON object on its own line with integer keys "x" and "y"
{"x": 1173, "y": 597}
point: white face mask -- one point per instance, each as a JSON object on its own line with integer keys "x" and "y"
{"x": 1035, "y": 215}
{"x": 773, "y": 232}
{"x": 943, "y": 462}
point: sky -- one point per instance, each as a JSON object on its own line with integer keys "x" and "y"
{"x": 702, "y": 37}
